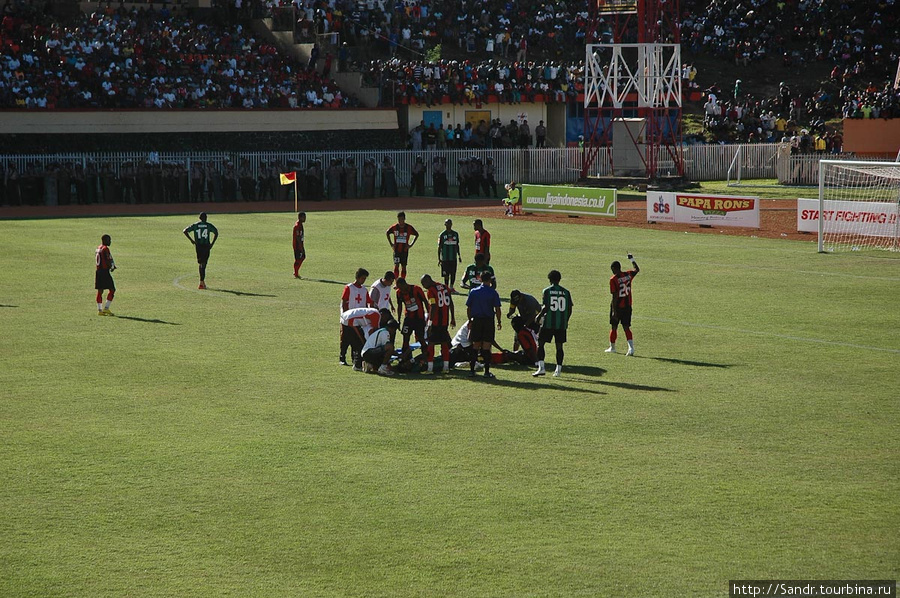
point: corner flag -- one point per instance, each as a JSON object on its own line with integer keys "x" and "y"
{"x": 288, "y": 178}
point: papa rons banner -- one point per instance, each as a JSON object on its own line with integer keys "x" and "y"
{"x": 721, "y": 210}
{"x": 569, "y": 200}
{"x": 867, "y": 218}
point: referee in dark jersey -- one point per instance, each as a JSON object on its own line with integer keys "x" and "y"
{"x": 482, "y": 306}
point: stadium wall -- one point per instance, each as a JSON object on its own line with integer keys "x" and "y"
{"x": 192, "y": 130}
{"x": 872, "y": 136}
{"x": 446, "y": 114}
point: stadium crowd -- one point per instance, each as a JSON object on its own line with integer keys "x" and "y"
{"x": 497, "y": 50}
{"x": 145, "y": 58}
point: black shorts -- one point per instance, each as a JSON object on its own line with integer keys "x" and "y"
{"x": 103, "y": 280}
{"x": 547, "y": 334}
{"x": 481, "y": 330}
{"x": 202, "y": 253}
{"x": 621, "y": 316}
{"x": 374, "y": 356}
{"x": 438, "y": 335}
{"x": 448, "y": 267}
{"x": 401, "y": 257}
{"x": 414, "y": 325}
{"x": 299, "y": 254}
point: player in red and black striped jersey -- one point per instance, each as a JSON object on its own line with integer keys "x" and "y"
{"x": 441, "y": 313}
{"x": 620, "y": 308}
{"x": 299, "y": 238}
{"x": 103, "y": 277}
{"x": 412, "y": 299}
{"x": 404, "y": 237}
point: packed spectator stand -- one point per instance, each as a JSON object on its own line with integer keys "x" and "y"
{"x": 146, "y": 58}
{"x": 497, "y": 50}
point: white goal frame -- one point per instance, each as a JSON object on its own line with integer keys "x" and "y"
{"x": 884, "y": 232}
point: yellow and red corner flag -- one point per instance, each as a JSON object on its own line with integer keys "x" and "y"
{"x": 288, "y": 178}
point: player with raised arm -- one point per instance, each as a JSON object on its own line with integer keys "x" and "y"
{"x": 354, "y": 296}
{"x": 620, "y": 307}
{"x": 299, "y": 246}
{"x": 103, "y": 277}
{"x": 556, "y": 311}
{"x": 380, "y": 292}
{"x": 202, "y": 230}
{"x": 441, "y": 314}
{"x": 412, "y": 298}
{"x": 401, "y": 237}
{"x": 449, "y": 254}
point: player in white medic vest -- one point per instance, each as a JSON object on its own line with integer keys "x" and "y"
{"x": 356, "y": 326}
{"x": 380, "y": 292}
{"x": 355, "y": 295}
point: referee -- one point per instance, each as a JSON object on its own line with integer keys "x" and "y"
{"x": 482, "y": 306}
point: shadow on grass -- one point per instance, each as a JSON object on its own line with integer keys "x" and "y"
{"x": 326, "y": 281}
{"x": 240, "y": 293}
{"x": 531, "y": 384}
{"x": 630, "y": 386}
{"x": 2, "y": 305}
{"x": 699, "y": 364}
{"x": 584, "y": 370}
{"x": 147, "y": 320}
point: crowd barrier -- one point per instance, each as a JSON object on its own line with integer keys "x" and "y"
{"x": 51, "y": 179}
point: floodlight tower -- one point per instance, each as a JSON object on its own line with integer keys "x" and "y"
{"x": 633, "y": 85}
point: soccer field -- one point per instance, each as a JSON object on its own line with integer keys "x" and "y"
{"x": 207, "y": 443}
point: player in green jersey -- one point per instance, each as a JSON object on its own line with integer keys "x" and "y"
{"x": 472, "y": 277}
{"x": 204, "y": 237}
{"x": 556, "y": 311}
{"x": 448, "y": 254}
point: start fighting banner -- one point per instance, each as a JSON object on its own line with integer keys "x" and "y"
{"x": 691, "y": 208}
{"x": 868, "y": 218}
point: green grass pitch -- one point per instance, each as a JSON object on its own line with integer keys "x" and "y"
{"x": 206, "y": 443}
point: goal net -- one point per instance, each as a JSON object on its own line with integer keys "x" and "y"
{"x": 859, "y": 205}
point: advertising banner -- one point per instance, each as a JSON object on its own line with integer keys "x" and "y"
{"x": 569, "y": 200}
{"x": 719, "y": 210}
{"x": 870, "y": 218}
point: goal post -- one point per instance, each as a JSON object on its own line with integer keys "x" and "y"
{"x": 859, "y": 205}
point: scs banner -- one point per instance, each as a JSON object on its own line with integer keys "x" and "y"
{"x": 721, "y": 210}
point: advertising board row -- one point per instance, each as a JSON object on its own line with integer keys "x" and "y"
{"x": 868, "y": 218}
{"x": 688, "y": 208}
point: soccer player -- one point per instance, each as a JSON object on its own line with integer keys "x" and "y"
{"x": 299, "y": 248}
{"x": 476, "y": 272}
{"x": 380, "y": 292}
{"x": 620, "y": 308}
{"x": 528, "y": 307}
{"x": 441, "y": 313}
{"x": 202, "y": 243}
{"x": 449, "y": 254}
{"x": 525, "y": 345}
{"x": 482, "y": 241}
{"x": 556, "y": 311}
{"x": 103, "y": 277}
{"x": 404, "y": 237}
{"x": 354, "y": 296}
{"x": 412, "y": 298}
{"x": 358, "y": 324}
{"x": 481, "y": 305}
